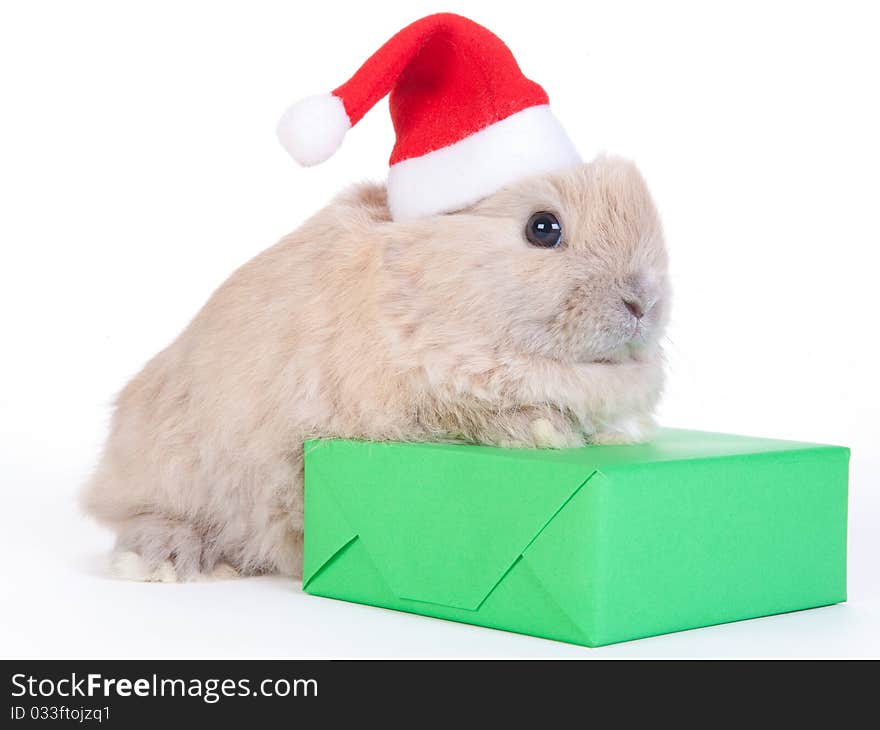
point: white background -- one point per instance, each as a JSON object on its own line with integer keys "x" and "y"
{"x": 139, "y": 167}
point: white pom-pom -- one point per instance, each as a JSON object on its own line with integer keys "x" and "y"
{"x": 313, "y": 128}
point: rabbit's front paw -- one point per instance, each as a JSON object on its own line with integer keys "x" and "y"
{"x": 633, "y": 430}
{"x": 548, "y": 436}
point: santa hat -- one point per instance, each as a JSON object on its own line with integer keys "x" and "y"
{"x": 468, "y": 122}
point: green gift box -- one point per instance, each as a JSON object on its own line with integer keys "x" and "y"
{"x": 593, "y": 545}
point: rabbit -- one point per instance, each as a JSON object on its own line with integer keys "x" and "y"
{"x": 453, "y": 327}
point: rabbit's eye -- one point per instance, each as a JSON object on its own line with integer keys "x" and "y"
{"x": 544, "y": 230}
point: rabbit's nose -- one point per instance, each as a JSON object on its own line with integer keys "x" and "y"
{"x": 635, "y": 307}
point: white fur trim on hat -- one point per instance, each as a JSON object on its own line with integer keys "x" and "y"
{"x": 313, "y": 128}
{"x": 530, "y": 142}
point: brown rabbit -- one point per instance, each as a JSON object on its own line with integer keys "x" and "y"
{"x": 496, "y": 290}
{"x": 451, "y": 327}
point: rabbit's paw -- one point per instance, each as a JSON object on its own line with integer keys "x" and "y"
{"x": 548, "y": 436}
{"x": 634, "y": 430}
{"x": 157, "y": 549}
{"x": 128, "y": 565}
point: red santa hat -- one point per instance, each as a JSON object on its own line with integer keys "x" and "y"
{"x": 468, "y": 122}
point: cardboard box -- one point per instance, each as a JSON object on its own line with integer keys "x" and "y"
{"x": 591, "y": 546}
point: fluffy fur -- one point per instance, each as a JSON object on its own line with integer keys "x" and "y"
{"x": 446, "y": 328}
